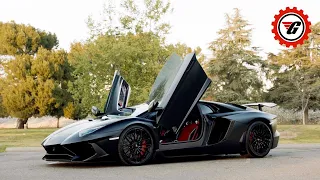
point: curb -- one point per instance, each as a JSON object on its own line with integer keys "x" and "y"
{"x": 24, "y": 149}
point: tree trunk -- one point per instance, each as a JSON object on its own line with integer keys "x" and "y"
{"x": 20, "y": 123}
{"x": 305, "y": 116}
{"x": 58, "y": 123}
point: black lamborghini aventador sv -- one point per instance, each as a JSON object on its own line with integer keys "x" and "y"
{"x": 173, "y": 122}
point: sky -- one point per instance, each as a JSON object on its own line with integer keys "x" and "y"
{"x": 194, "y": 22}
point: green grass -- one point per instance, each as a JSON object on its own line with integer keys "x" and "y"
{"x": 299, "y": 134}
{"x": 2, "y": 148}
{"x": 22, "y": 137}
{"x": 34, "y": 137}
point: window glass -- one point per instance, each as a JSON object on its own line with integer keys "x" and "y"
{"x": 165, "y": 79}
{"x": 205, "y": 109}
{"x": 123, "y": 95}
{"x": 223, "y": 109}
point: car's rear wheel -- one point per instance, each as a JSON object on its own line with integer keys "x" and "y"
{"x": 258, "y": 140}
{"x": 136, "y": 146}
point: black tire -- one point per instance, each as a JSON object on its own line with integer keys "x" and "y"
{"x": 259, "y": 140}
{"x": 136, "y": 146}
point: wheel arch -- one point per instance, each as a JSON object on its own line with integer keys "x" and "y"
{"x": 264, "y": 120}
{"x": 149, "y": 127}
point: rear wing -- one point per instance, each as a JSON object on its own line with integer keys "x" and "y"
{"x": 262, "y": 104}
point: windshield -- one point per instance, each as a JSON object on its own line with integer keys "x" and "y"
{"x": 165, "y": 78}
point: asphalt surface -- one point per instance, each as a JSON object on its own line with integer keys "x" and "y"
{"x": 286, "y": 162}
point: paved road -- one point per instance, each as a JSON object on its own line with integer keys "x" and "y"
{"x": 286, "y": 162}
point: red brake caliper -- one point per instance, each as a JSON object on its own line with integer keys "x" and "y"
{"x": 143, "y": 147}
{"x": 251, "y": 136}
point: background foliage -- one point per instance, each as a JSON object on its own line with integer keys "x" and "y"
{"x": 37, "y": 78}
{"x": 234, "y": 66}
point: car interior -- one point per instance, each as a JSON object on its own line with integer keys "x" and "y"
{"x": 193, "y": 126}
{"x": 190, "y": 131}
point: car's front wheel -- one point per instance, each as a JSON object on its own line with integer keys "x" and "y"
{"x": 136, "y": 146}
{"x": 258, "y": 140}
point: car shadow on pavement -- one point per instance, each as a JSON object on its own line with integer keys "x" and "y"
{"x": 156, "y": 161}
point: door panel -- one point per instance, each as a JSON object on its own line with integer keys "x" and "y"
{"x": 118, "y": 95}
{"x": 189, "y": 84}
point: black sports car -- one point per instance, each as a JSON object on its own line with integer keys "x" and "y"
{"x": 173, "y": 122}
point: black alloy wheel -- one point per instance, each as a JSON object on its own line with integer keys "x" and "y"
{"x": 136, "y": 146}
{"x": 258, "y": 140}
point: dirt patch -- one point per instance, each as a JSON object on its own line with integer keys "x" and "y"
{"x": 288, "y": 135}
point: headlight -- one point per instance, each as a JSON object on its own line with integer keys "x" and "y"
{"x": 89, "y": 131}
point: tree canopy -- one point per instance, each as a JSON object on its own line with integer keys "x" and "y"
{"x": 17, "y": 39}
{"x": 36, "y": 85}
{"x": 234, "y": 65}
{"x": 37, "y": 79}
{"x": 138, "y": 51}
{"x": 296, "y": 76}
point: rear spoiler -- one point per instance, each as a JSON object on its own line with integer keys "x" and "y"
{"x": 262, "y": 104}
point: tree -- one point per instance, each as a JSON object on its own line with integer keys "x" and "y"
{"x": 3, "y": 112}
{"x": 17, "y": 39}
{"x": 17, "y": 96}
{"x": 132, "y": 17}
{"x": 296, "y": 76}
{"x": 233, "y": 68}
{"x": 35, "y": 78}
{"x": 138, "y": 57}
{"x": 136, "y": 46}
{"x": 36, "y": 85}
{"x": 183, "y": 49}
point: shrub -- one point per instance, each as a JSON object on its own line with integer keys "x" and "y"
{"x": 70, "y": 111}
{"x": 285, "y": 116}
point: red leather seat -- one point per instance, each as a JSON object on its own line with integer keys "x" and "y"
{"x": 189, "y": 132}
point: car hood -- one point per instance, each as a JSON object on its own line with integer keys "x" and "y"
{"x": 62, "y": 135}
{"x": 71, "y": 132}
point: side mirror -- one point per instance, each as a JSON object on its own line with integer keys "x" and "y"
{"x": 95, "y": 111}
{"x": 153, "y": 105}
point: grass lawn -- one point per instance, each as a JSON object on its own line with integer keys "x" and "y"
{"x": 22, "y": 137}
{"x": 299, "y": 134}
{"x": 34, "y": 137}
